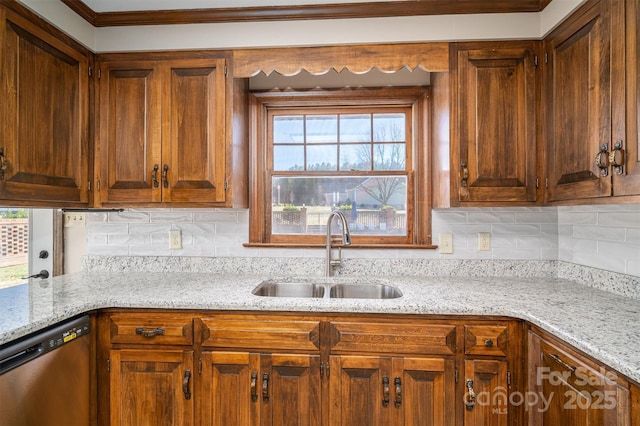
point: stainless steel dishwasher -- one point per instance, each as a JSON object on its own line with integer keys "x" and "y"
{"x": 45, "y": 377}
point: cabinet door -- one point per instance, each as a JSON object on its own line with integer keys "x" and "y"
{"x": 193, "y": 131}
{"x": 391, "y": 391}
{"x": 572, "y": 391}
{"x": 486, "y": 393}
{"x": 494, "y": 122}
{"x": 290, "y": 390}
{"x": 151, "y": 387}
{"x": 231, "y": 389}
{"x": 626, "y": 99}
{"x": 578, "y": 107}
{"x": 424, "y": 391}
{"x": 128, "y": 155}
{"x": 360, "y": 391}
{"x": 43, "y": 115}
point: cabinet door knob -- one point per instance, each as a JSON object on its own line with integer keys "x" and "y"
{"x": 465, "y": 173}
{"x": 154, "y": 176}
{"x": 602, "y": 160}
{"x": 254, "y": 386}
{"x": 488, "y": 343}
{"x": 4, "y": 163}
{"x": 616, "y": 157}
{"x": 385, "y": 391}
{"x": 265, "y": 387}
{"x": 398, "y": 384}
{"x": 470, "y": 397}
{"x": 165, "y": 170}
{"x": 186, "y": 390}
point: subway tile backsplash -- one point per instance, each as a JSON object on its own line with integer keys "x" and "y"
{"x": 604, "y": 237}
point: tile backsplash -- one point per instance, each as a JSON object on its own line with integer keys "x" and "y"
{"x": 604, "y": 236}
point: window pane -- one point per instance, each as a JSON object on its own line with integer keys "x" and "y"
{"x": 355, "y": 157}
{"x": 14, "y": 250}
{"x": 322, "y": 157}
{"x": 355, "y": 128}
{"x": 389, "y": 128}
{"x": 389, "y": 156}
{"x": 322, "y": 128}
{"x": 288, "y": 158}
{"x": 373, "y": 205}
{"x": 288, "y": 129}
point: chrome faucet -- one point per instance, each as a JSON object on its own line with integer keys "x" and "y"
{"x": 346, "y": 240}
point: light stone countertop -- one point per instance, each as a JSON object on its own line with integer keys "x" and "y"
{"x": 602, "y": 324}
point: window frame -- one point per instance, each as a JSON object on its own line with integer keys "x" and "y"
{"x": 417, "y": 170}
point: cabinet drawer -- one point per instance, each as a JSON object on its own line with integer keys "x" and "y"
{"x": 393, "y": 337}
{"x": 262, "y": 334}
{"x": 151, "y": 329}
{"x": 486, "y": 340}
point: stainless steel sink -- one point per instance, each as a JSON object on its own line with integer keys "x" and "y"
{"x": 275, "y": 288}
{"x": 286, "y": 289}
{"x": 364, "y": 291}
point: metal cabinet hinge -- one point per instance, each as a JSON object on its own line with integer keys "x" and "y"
{"x": 535, "y": 60}
{"x": 546, "y": 182}
{"x": 226, "y": 71}
{"x": 199, "y": 365}
{"x": 508, "y": 378}
{"x": 89, "y": 186}
{"x": 90, "y": 71}
{"x": 537, "y": 182}
{"x": 226, "y": 184}
{"x": 98, "y": 185}
{"x": 455, "y": 374}
{"x": 546, "y": 58}
{"x": 99, "y": 73}
{"x": 109, "y": 364}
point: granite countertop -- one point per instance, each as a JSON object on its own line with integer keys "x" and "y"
{"x": 602, "y": 324}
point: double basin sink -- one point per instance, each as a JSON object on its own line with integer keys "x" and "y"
{"x": 322, "y": 290}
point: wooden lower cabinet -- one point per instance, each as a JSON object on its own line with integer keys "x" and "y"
{"x": 151, "y": 387}
{"x": 572, "y": 390}
{"x": 221, "y": 369}
{"x": 242, "y": 388}
{"x": 370, "y": 390}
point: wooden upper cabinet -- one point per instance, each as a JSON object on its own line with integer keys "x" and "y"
{"x": 44, "y": 124}
{"x": 579, "y": 103}
{"x": 162, "y": 131}
{"x": 493, "y": 123}
{"x": 626, "y": 98}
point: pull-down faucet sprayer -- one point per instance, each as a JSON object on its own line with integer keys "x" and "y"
{"x": 346, "y": 240}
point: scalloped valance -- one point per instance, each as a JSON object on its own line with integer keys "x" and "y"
{"x": 358, "y": 59}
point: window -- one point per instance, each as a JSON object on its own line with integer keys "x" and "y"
{"x": 362, "y": 151}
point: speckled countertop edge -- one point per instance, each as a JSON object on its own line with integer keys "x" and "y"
{"x": 602, "y": 324}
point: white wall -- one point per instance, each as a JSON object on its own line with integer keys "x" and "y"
{"x": 305, "y": 32}
{"x": 605, "y": 237}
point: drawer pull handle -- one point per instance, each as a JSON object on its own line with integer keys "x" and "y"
{"x": 470, "y": 400}
{"x": 488, "y": 343}
{"x": 385, "y": 391}
{"x": 254, "y": 386}
{"x": 398, "y": 384}
{"x": 150, "y": 333}
{"x": 185, "y": 385}
{"x": 557, "y": 359}
{"x": 265, "y": 387}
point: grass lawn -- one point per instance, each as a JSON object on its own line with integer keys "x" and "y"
{"x": 12, "y": 275}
